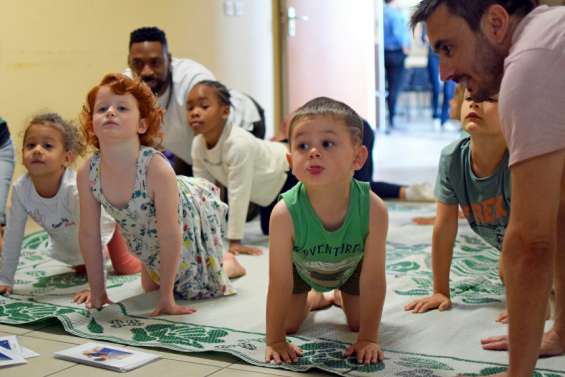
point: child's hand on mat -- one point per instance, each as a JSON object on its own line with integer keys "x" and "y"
{"x": 97, "y": 302}
{"x": 367, "y": 352}
{"x": 5, "y": 290}
{"x": 171, "y": 308}
{"x": 237, "y": 248}
{"x": 436, "y": 301}
{"x": 82, "y": 296}
{"x": 282, "y": 352}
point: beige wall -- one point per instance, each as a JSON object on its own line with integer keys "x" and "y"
{"x": 53, "y": 51}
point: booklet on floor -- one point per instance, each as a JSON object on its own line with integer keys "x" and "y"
{"x": 106, "y": 356}
{"x": 10, "y": 352}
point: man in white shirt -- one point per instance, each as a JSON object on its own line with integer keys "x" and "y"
{"x": 171, "y": 80}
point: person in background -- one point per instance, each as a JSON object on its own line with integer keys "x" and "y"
{"x": 171, "y": 79}
{"x": 397, "y": 44}
{"x": 253, "y": 170}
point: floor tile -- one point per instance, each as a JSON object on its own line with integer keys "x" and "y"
{"x": 56, "y": 332}
{"x": 42, "y": 365}
{"x": 170, "y": 368}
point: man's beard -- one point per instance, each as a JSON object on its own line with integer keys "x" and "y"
{"x": 155, "y": 85}
{"x": 489, "y": 67}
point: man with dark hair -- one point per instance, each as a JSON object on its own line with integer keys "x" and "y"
{"x": 508, "y": 46}
{"x": 171, "y": 80}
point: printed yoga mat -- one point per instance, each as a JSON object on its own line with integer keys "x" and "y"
{"x": 420, "y": 345}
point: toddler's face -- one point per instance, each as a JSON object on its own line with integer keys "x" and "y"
{"x": 44, "y": 151}
{"x": 323, "y": 152}
{"x": 480, "y": 117}
{"x": 115, "y": 116}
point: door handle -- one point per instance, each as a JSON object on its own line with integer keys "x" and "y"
{"x": 292, "y": 17}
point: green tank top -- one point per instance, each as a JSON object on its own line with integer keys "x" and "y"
{"x": 324, "y": 259}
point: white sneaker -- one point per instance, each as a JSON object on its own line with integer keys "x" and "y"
{"x": 420, "y": 192}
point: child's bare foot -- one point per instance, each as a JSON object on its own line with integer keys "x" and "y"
{"x": 320, "y": 301}
{"x": 232, "y": 267}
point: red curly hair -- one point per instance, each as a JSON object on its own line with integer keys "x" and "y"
{"x": 149, "y": 108}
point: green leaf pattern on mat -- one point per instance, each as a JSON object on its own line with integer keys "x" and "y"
{"x": 24, "y": 312}
{"x": 188, "y": 335}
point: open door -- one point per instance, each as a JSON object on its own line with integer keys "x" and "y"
{"x": 329, "y": 50}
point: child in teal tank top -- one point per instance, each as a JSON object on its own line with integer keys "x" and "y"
{"x": 326, "y": 235}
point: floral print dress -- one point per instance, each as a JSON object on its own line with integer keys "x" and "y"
{"x": 202, "y": 219}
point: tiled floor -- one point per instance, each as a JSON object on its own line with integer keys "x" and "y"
{"x": 409, "y": 154}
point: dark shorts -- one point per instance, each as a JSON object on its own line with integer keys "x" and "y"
{"x": 351, "y": 286}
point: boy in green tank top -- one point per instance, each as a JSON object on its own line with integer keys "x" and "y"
{"x": 326, "y": 235}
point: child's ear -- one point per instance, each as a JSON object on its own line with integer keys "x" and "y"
{"x": 361, "y": 155}
{"x": 142, "y": 126}
{"x": 225, "y": 112}
{"x": 289, "y": 159}
{"x": 68, "y": 159}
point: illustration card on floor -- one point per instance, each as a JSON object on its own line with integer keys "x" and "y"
{"x": 106, "y": 356}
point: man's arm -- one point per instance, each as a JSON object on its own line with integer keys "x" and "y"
{"x": 529, "y": 250}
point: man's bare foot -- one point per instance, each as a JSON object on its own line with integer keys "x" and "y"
{"x": 232, "y": 267}
{"x": 320, "y": 301}
{"x": 552, "y": 344}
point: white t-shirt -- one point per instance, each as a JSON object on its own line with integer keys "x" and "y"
{"x": 178, "y": 135}
{"x": 59, "y": 216}
{"x": 252, "y": 170}
{"x": 532, "y": 93}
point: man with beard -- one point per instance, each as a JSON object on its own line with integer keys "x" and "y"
{"x": 508, "y": 45}
{"x": 171, "y": 80}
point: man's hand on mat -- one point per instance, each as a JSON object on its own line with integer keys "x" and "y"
{"x": 98, "y": 302}
{"x": 436, "y": 301}
{"x": 82, "y": 296}
{"x": 367, "y": 352}
{"x": 171, "y": 308}
{"x": 5, "y": 290}
{"x": 283, "y": 352}
{"x": 237, "y": 248}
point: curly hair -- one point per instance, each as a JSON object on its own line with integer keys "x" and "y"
{"x": 72, "y": 138}
{"x": 149, "y": 108}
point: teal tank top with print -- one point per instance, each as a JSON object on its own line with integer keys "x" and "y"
{"x": 324, "y": 259}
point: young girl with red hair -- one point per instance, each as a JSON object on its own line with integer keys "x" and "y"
{"x": 173, "y": 224}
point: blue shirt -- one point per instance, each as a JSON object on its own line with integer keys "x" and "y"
{"x": 396, "y": 31}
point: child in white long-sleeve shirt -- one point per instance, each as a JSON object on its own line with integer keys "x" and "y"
{"x": 252, "y": 170}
